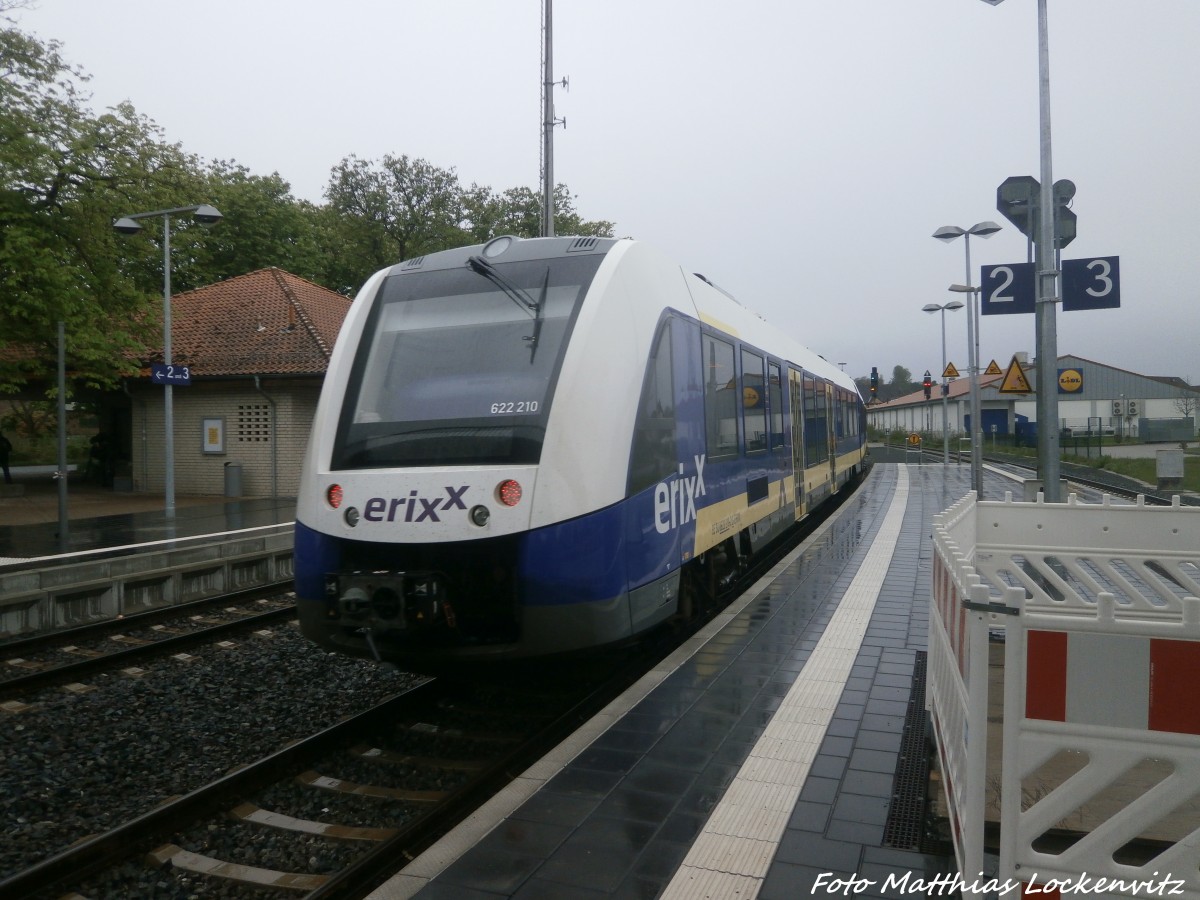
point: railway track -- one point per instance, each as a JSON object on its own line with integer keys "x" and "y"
{"x": 342, "y": 808}
{"x": 31, "y": 664}
{"x": 1099, "y": 480}
{"x": 387, "y": 781}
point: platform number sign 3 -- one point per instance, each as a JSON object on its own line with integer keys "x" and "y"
{"x": 1091, "y": 283}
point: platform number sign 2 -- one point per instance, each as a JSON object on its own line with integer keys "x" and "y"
{"x": 1007, "y": 289}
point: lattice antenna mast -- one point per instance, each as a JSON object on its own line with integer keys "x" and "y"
{"x": 548, "y": 120}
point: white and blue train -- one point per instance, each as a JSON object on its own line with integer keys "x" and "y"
{"x": 547, "y": 446}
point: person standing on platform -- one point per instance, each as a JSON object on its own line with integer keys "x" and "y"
{"x": 5, "y": 449}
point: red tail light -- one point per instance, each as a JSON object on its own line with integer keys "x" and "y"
{"x": 509, "y": 492}
{"x": 334, "y": 495}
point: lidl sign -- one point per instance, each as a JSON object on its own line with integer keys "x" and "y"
{"x": 1070, "y": 381}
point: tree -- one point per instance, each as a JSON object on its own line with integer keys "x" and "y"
{"x": 1187, "y": 401}
{"x": 264, "y": 225}
{"x": 64, "y": 175}
{"x": 403, "y": 207}
{"x": 382, "y": 213}
{"x": 901, "y": 380}
{"x": 518, "y": 211}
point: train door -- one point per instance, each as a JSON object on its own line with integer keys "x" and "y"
{"x": 796, "y": 402}
{"x": 831, "y": 431}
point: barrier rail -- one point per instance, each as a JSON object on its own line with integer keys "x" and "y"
{"x": 1099, "y": 606}
{"x": 37, "y": 600}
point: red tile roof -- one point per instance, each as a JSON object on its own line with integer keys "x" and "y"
{"x": 268, "y": 322}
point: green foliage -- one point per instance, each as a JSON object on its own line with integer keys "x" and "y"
{"x": 66, "y": 174}
{"x": 400, "y": 208}
{"x": 63, "y": 172}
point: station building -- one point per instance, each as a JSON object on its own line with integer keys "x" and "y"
{"x": 257, "y": 348}
{"x": 1092, "y": 397}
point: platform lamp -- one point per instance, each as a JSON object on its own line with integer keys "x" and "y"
{"x": 206, "y": 215}
{"x": 942, "y": 307}
{"x": 948, "y": 233}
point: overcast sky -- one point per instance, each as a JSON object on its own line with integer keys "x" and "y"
{"x": 799, "y": 153}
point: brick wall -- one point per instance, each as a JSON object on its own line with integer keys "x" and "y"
{"x": 249, "y": 438}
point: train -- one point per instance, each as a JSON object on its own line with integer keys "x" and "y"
{"x": 536, "y": 448}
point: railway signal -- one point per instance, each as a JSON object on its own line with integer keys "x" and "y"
{"x": 928, "y": 384}
{"x": 1017, "y": 200}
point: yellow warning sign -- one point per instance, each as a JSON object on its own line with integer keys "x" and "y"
{"x": 993, "y": 369}
{"x": 1015, "y": 381}
{"x": 914, "y": 439}
{"x": 950, "y": 372}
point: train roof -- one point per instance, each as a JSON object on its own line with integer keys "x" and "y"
{"x": 720, "y": 309}
{"x": 713, "y": 305}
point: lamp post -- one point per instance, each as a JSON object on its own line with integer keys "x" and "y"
{"x": 949, "y": 233}
{"x": 206, "y": 215}
{"x": 942, "y": 307}
{"x": 1045, "y": 327}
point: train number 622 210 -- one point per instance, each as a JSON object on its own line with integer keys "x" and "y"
{"x": 514, "y": 407}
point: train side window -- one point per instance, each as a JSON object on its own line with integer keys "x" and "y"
{"x": 653, "y": 456}
{"x": 775, "y": 405}
{"x": 720, "y": 398}
{"x": 754, "y": 402}
{"x": 816, "y": 434}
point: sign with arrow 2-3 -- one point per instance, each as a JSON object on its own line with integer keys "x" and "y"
{"x": 160, "y": 373}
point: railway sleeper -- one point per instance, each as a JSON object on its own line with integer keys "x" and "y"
{"x": 248, "y": 812}
{"x": 186, "y": 860}
{"x": 341, "y": 786}
{"x": 377, "y": 754}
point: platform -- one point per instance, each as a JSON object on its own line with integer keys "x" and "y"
{"x": 99, "y": 518}
{"x": 765, "y": 759}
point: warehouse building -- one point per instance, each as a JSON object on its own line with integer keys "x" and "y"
{"x": 1092, "y": 398}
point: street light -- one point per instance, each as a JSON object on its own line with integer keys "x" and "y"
{"x": 942, "y": 307}
{"x": 1045, "y": 327}
{"x": 206, "y": 215}
{"x": 948, "y": 233}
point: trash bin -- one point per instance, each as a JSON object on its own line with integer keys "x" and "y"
{"x": 233, "y": 479}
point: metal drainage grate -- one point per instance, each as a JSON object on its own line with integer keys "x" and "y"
{"x": 906, "y": 814}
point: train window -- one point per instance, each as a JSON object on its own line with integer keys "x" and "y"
{"x": 457, "y": 368}
{"x": 816, "y": 428}
{"x": 720, "y": 400}
{"x": 775, "y": 405}
{"x": 654, "y": 456}
{"x": 754, "y": 402}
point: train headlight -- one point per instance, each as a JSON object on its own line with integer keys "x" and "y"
{"x": 509, "y": 492}
{"x": 351, "y": 516}
{"x": 480, "y": 515}
{"x": 333, "y": 496}
{"x": 496, "y": 246}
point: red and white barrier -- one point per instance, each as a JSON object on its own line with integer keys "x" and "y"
{"x": 1100, "y": 611}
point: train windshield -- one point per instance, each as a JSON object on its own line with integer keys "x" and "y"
{"x": 457, "y": 367}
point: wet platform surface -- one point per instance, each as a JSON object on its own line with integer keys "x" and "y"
{"x": 100, "y": 519}
{"x": 637, "y": 811}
